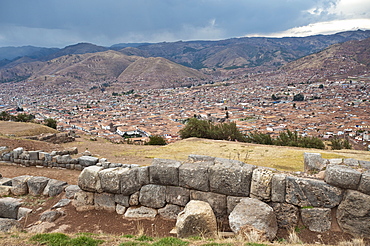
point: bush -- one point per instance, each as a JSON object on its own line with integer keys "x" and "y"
{"x": 156, "y": 140}
{"x": 50, "y": 122}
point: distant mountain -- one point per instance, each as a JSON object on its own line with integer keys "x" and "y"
{"x": 11, "y": 53}
{"x": 80, "y": 48}
{"x": 338, "y": 60}
{"x": 125, "y": 45}
{"x": 157, "y": 72}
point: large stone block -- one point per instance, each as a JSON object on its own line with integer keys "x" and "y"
{"x": 278, "y": 187}
{"x": 197, "y": 219}
{"x": 141, "y": 212}
{"x": 230, "y": 177}
{"x": 364, "y": 186}
{"x": 353, "y": 214}
{"x": 313, "y": 162}
{"x": 164, "y": 172}
{"x": 63, "y": 159}
{"x": 104, "y": 201}
{"x": 110, "y": 179}
{"x": 316, "y": 219}
{"x": 342, "y": 176}
{"x": 54, "y": 187}
{"x": 195, "y": 175}
{"x": 177, "y": 195}
{"x": 87, "y": 161}
{"x": 19, "y": 185}
{"x": 8, "y": 225}
{"x": 17, "y": 152}
{"x": 261, "y": 184}
{"x": 71, "y": 190}
{"x": 34, "y": 155}
{"x": 153, "y": 196}
{"x": 89, "y": 180}
{"x": 130, "y": 181}
{"x": 83, "y": 201}
{"x": 253, "y": 215}
{"x": 217, "y": 202}
{"x": 36, "y": 185}
{"x": 122, "y": 200}
{"x": 9, "y": 207}
{"x": 309, "y": 192}
{"x": 201, "y": 158}
{"x": 287, "y": 215}
{"x": 232, "y": 201}
{"x": 170, "y": 211}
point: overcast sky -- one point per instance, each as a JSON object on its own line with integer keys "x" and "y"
{"x": 57, "y": 23}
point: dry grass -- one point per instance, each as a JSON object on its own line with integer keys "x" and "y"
{"x": 279, "y": 157}
{"x": 20, "y": 129}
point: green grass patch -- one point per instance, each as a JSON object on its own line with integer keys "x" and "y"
{"x": 128, "y": 236}
{"x": 144, "y": 238}
{"x": 134, "y": 244}
{"x": 217, "y": 244}
{"x": 60, "y": 239}
{"x": 170, "y": 241}
{"x": 255, "y": 244}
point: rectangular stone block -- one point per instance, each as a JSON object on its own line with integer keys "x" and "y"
{"x": 216, "y": 201}
{"x": 195, "y": 176}
{"x": 342, "y": 176}
{"x": 177, "y": 195}
{"x": 164, "y": 172}
{"x": 278, "y": 187}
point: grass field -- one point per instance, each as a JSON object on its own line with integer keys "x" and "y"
{"x": 20, "y": 129}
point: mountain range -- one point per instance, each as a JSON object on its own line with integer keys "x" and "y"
{"x": 163, "y": 65}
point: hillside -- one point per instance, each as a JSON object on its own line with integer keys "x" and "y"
{"x": 156, "y": 72}
{"x": 346, "y": 59}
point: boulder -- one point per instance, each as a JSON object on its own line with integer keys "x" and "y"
{"x": 342, "y": 176}
{"x": 351, "y": 162}
{"x": 19, "y": 185}
{"x": 83, "y": 201}
{"x": 313, "y": 162}
{"x": 177, "y": 195}
{"x": 61, "y": 203}
{"x": 153, "y": 196}
{"x": 8, "y": 225}
{"x": 141, "y": 212}
{"x": 36, "y": 185}
{"x": 316, "y": 219}
{"x": 232, "y": 201}
{"x": 54, "y": 187}
{"x": 51, "y": 216}
{"x": 120, "y": 209}
{"x": 287, "y": 215}
{"x": 278, "y": 187}
{"x": 200, "y": 158}
{"x": 195, "y": 176}
{"x": 63, "y": 159}
{"x": 23, "y": 212}
{"x": 364, "y": 164}
{"x": 230, "y": 177}
{"x": 17, "y": 152}
{"x": 170, "y": 211}
{"x": 130, "y": 182}
{"x": 71, "y": 190}
{"x": 104, "y": 201}
{"x": 197, "y": 219}
{"x": 304, "y": 192}
{"x": 252, "y": 215}
{"x": 89, "y": 180}
{"x": 6, "y": 181}
{"x": 87, "y": 161}
{"x": 216, "y": 201}
{"x": 261, "y": 184}
{"x": 364, "y": 186}
{"x": 134, "y": 199}
{"x": 353, "y": 214}
{"x": 110, "y": 179}
{"x": 9, "y": 207}
{"x": 34, "y": 155}
{"x": 122, "y": 200}
{"x": 5, "y": 190}
{"x": 164, "y": 172}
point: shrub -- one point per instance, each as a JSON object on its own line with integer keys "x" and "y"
{"x": 156, "y": 140}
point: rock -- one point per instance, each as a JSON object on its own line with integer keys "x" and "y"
{"x": 19, "y": 185}
{"x": 54, "y": 187}
{"x": 170, "y": 211}
{"x": 51, "y": 216}
{"x": 17, "y": 152}
{"x": 230, "y": 177}
{"x": 110, "y": 179}
{"x": 36, "y": 185}
{"x": 143, "y": 175}
{"x": 316, "y": 219}
{"x": 253, "y": 215}
{"x": 261, "y": 184}
{"x": 122, "y": 200}
{"x": 278, "y": 187}
{"x": 63, "y": 159}
{"x": 287, "y": 215}
{"x": 364, "y": 186}
{"x": 197, "y": 219}
{"x": 216, "y": 201}
{"x": 104, "y": 201}
{"x": 200, "y": 158}
{"x": 195, "y": 176}
{"x": 351, "y": 162}
{"x": 353, "y": 214}
{"x": 83, "y": 201}
{"x": 364, "y": 164}
{"x": 9, "y": 207}
{"x": 134, "y": 199}
{"x": 8, "y": 225}
{"x": 313, "y": 162}
{"x": 120, "y": 209}
{"x": 335, "y": 161}
{"x": 23, "y": 212}
{"x": 89, "y": 180}
{"x": 177, "y": 195}
{"x": 141, "y": 212}
{"x": 5, "y": 181}
{"x": 232, "y": 201}
{"x": 87, "y": 161}
{"x": 71, "y": 190}
{"x": 61, "y": 203}
{"x": 130, "y": 182}
{"x": 342, "y": 176}
{"x": 164, "y": 172}
{"x": 309, "y": 192}
{"x": 5, "y": 190}
{"x": 153, "y": 196}
{"x": 34, "y": 155}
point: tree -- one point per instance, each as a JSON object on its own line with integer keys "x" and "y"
{"x": 50, "y": 122}
{"x": 156, "y": 140}
{"x": 298, "y": 97}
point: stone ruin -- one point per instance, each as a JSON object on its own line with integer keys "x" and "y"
{"x": 234, "y": 190}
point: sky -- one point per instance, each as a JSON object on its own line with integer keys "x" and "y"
{"x": 58, "y": 23}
